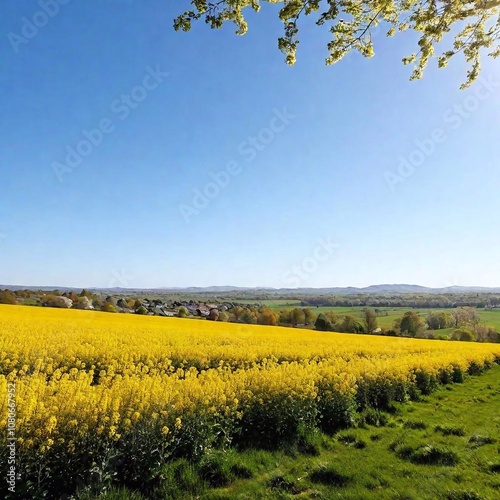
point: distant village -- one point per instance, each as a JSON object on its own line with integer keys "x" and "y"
{"x": 157, "y": 307}
{"x": 87, "y": 300}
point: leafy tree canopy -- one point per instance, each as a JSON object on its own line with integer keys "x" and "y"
{"x": 410, "y": 323}
{"x": 476, "y": 25}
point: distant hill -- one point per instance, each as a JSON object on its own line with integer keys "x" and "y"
{"x": 389, "y": 289}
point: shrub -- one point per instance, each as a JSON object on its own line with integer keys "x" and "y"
{"x": 182, "y": 312}
{"x": 223, "y": 316}
{"x": 409, "y": 324}
{"x": 241, "y": 471}
{"x": 447, "y": 430}
{"x": 360, "y": 444}
{"x": 214, "y": 469}
{"x": 463, "y": 334}
{"x": 198, "y": 434}
{"x": 380, "y": 393}
{"x": 179, "y": 478}
{"x": 336, "y": 410}
{"x": 275, "y": 421}
{"x": 415, "y": 424}
{"x": 309, "y": 442}
{"x": 283, "y": 484}
{"x": 7, "y": 297}
{"x": 248, "y": 317}
{"x": 426, "y": 382}
{"x": 458, "y": 375}
{"x": 445, "y": 376}
{"x": 143, "y": 450}
{"x": 476, "y": 440}
{"x": 427, "y": 455}
{"x": 474, "y": 369}
{"x": 462, "y": 495}
{"x": 113, "y": 494}
{"x": 390, "y": 332}
{"x": 347, "y": 438}
{"x": 327, "y": 475}
{"x": 374, "y": 417}
{"x": 57, "y": 301}
{"x": 350, "y": 325}
{"x": 323, "y": 324}
{"x": 83, "y": 303}
{"x": 108, "y": 307}
{"x": 267, "y": 316}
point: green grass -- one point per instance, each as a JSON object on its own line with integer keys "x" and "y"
{"x": 446, "y": 446}
{"x": 491, "y": 318}
{"x": 407, "y": 458}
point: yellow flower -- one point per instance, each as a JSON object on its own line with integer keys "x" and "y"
{"x": 51, "y": 424}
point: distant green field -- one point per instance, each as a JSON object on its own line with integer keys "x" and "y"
{"x": 387, "y": 314}
{"x": 280, "y": 304}
{"x": 491, "y": 318}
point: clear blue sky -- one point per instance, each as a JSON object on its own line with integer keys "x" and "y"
{"x": 124, "y": 214}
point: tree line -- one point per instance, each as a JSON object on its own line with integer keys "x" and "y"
{"x": 424, "y": 301}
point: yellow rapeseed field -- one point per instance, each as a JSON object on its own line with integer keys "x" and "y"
{"x": 85, "y": 378}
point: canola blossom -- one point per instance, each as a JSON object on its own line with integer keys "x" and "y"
{"x": 89, "y": 382}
